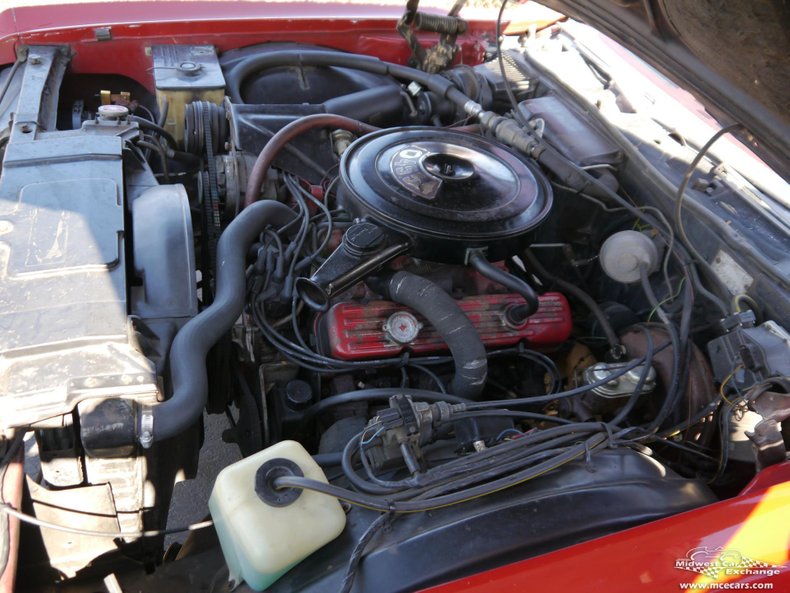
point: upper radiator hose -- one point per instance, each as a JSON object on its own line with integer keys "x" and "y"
{"x": 195, "y": 339}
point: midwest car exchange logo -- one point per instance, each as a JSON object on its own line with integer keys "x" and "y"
{"x": 720, "y": 563}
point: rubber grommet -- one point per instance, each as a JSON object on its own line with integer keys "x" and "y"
{"x": 268, "y": 473}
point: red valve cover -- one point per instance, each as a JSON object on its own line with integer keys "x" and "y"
{"x": 355, "y": 331}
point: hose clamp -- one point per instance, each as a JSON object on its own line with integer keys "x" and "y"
{"x": 146, "y": 437}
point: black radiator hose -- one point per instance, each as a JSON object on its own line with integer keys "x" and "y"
{"x": 516, "y": 315}
{"x": 452, "y": 324}
{"x": 195, "y": 339}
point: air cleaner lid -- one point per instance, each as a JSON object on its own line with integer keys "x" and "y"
{"x": 443, "y": 184}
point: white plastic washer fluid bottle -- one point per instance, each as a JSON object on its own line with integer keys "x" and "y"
{"x": 260, "y": 540}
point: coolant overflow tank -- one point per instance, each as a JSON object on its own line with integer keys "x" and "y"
{"x": 265, "y": 532}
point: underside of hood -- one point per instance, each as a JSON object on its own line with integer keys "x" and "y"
{"x": 732, "y": 55}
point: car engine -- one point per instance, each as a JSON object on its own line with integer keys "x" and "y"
{"x": 450, "y": 287}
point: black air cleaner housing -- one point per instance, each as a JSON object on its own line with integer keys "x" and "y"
{"x": 446, "y": 191}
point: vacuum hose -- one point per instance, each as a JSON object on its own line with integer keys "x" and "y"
{"x": 516, "y": 315}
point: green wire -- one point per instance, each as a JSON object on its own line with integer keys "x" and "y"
{"x": 668, "y": 299}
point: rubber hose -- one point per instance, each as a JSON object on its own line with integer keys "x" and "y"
{"x": 568, "y": 173}
{"x": 519, "y": 314}
{"x": 298, "y": 59}
{"x": 195, "y": 339}
{"x": 580, "y": 295}
{"x": 152, "y": 127}
{"x": 288, "y": 133}
{"x": 452, "y": 324}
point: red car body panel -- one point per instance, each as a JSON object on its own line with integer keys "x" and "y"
{"x": 134, "y": 26}
{"x": 756, "y": 523}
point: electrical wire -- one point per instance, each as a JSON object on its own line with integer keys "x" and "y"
{"x": 547, "y": 364}
{"x": 685, "y": 262}
{"x": 580, "y": 294}
{"x": 736, "y": 305}
{"x": 501, "y": 435}
{"x": 538, "y": 399}
{"x": 452, "y": 483}
{"x": 151, "y": 144}
{"x": 678, "y": 350}
{"x": 147, "y": 111}
{"x": 433, "y": 376}
{"x": 25, "y": 518}
{"x": 152, "y": 127}
{"x": 622, "y": 414}
{"x": 667, "y": 234}
{"x": 682, "y": 194}
{"x": 463, "y": 472}
{"x": 668, "y": 299}
{"x": 13, "y": 449}
{"x": 512, "y": 414}
{"x": 727, "y": 379}
{"x": 359, "y": 549}
{"x": 385, "y": 504}
{"x": 505, "y": 80}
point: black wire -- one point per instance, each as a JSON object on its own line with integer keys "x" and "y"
{"x": 684, "y": 448}
{"x": 151, "y": 126}
{"x": 157, "y": 148}
{"x": 359, "y": 549}
{"x": 678, "y": 350}
{"x": 725, "y": 417}
{"x": 580, "y": 294}
{"x": 292, "y": 184}
{"x": 679, "y": 206}
{"x": 433, "y": 376}
{"x": 511, "y": 414}
{"x": 547, "y": 364}
{"x": 146, "y": 111}
{"x": 381, "y": 394}
{"x": 505, "y": 80}
{"x": 693, "y": 420}
{"x": 347, "y": 463}
{"x": 538, "y": 399}
{"x": 384, "y": 393}
{"x": 384, "y": 504}
{"x": 462, "y": 472}
{"x": 387, "y": 485}
{"x": 295, "y": 248}
{"x": 634, "y": 397}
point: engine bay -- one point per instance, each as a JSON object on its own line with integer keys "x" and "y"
{"x": 454, "y": 290}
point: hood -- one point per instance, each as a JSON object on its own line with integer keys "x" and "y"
{"x": 732, "y": 55}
